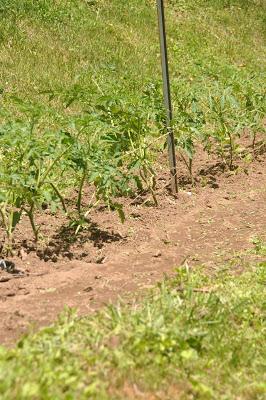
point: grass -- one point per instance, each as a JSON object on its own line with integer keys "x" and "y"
{"x": 83, "y": 49}
{"x": 195, "y": 336}
{"x": 74, "y": 47}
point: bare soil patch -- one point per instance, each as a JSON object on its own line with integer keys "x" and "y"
{"x": 204, "y": 224}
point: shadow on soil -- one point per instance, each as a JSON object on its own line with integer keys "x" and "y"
{"x": 65, "y": 238}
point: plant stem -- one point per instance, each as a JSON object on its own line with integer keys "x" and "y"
{"x": 51, "y": 166}
{"x": 7, "y": 247}
{"x": 3, "y": 216}
{"x": 60, "y": 196}
{"x": 231, "y": 150}
{"x": 190, "y": 165}
{"x": 30, "y": 214}
{"x": 81, "y": 185}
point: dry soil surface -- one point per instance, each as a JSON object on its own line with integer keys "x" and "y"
{"x": 203, "y": 225}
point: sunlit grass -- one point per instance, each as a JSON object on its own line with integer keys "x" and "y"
{"x": 195, "y": 336}
{"x": 105, "y": 48}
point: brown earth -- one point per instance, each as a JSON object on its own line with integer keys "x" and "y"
{"x": 203, "y": 225}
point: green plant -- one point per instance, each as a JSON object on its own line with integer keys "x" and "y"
{"x": 29, "y": 162}
{"x": 188, "y": 122}
{"x": 127, "y": 134}
{"x": 226, "y": 119}
{"x": 259, "y": 245}
{"x": 255, "y": 107}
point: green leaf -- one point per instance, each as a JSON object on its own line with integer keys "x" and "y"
{"x": 15, "y": 219}
{"x": 119, "y": 208}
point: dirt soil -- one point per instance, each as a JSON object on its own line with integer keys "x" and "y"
{"x": 207, "y": 225}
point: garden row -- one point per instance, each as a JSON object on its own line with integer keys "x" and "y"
{"x": 111, "y": 147}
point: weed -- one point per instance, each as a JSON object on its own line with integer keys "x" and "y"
{"x": 226, "y": 118}
{"x": 188, "y": 124}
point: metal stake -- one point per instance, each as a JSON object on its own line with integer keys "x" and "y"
{"x": 167, "y": 96}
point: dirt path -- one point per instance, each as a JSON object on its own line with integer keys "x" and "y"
{"x": 203, "y": 226}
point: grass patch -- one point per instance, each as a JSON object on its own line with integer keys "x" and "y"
{"x": 80, "y": 49}
{"x": 193, "y": 337}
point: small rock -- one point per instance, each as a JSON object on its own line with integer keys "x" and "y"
{"x": 157, "y": 254}
{"x": 100, "y": 260}
{"x": 135, "y": 215}
{"x": 68, "y": 254}
{"x": 11, "y": 294}
{"x": 88, "y": 289}
{"x": 18, "y": 313}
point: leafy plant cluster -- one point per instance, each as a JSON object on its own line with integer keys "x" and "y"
{"x": 111, "y": 146}
{"x": 106, "y": 148}
{"x": 218, "y": 117}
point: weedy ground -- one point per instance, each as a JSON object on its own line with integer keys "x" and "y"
{"x": 195, "y": 336}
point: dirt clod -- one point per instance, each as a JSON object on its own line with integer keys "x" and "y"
{"x": 88, "y": 289}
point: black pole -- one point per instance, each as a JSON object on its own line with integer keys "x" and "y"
{"x": 167, "y": 96}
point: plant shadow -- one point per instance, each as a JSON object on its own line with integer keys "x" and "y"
{"x": 63, "y": 241}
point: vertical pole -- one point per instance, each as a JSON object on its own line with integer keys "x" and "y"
{"x": 167, "y": 96}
